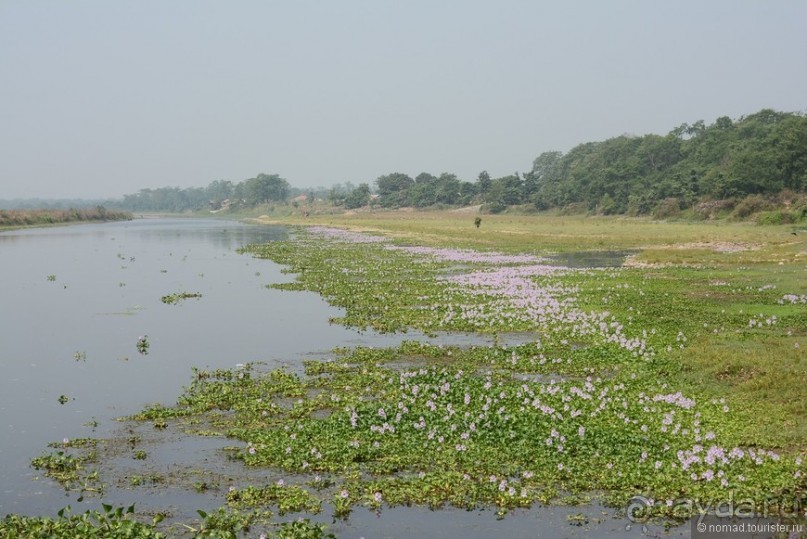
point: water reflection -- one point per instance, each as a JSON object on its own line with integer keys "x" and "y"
{"x": 592, "y": 259}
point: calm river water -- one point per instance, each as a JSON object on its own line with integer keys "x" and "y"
{"x": 75, "y": 299}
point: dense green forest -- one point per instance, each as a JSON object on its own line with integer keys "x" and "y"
{"x": 761, "y": 154}
{"x": 753, "y": 163}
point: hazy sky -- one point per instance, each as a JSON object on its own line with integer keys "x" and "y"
{"x": 100, "y": 98}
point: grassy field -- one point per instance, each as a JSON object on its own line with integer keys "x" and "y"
{"x": 675, "y": 241}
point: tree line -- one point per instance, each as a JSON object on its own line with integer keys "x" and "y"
{"x": 759, "y": 155}
{"x": 262, "y": 189}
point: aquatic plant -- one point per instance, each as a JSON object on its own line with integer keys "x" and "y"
{"x": 173, "y": 299}
{"x": 463, "y": 427}
{"x": 110, "y": 523}
{"x": 60, "y": 466}
{"x": 599, "y": 400}
{"x": 143, "y": 344}
{"x": 287, "y": 498}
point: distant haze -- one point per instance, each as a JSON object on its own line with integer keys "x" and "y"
{"x": 100, "y": 98}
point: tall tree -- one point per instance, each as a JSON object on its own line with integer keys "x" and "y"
{"x": 392, "y": 189}
{"x": 483, "y": 182}
{"x": 448, "y": 189}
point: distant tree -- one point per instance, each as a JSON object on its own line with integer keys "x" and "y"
{"x": 545, "y": 166}
{"x": 359, "y": 197}
{"x": 392, "y": 189}
{"x": 468, "y": 192}
{"x": 339, "y": 192}
{"x": 266, "y": 188}
{"x": 423, "y": 193}
{"x": 505, "y": 191}
{"x": 219, "y": 190}
{"x": 724, "y": 122}
{"x": 425, "y": 178}
{"x": 448, "y": 189}
{"x": 483, "y": 182}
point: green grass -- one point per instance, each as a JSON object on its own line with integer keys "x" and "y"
{"x": 519, "y": 233}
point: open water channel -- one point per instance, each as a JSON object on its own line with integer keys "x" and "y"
{"x": 74, "y": 300}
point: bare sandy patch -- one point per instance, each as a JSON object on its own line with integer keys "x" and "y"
{"x": 719, "y": 246}
{"x": 467, "y": 209}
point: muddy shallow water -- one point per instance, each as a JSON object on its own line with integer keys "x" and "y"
{"x": 73, "y": 302}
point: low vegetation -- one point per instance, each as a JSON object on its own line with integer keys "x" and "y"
{"x": 173, "y": 299}
{"x": 17, "y": 218}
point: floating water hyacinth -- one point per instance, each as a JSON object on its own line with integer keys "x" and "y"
{"x": 447, "y": 434}
{"x": 467, "y": 255}
{"x": 442, "y": 254}
{"x": 143, "y": 344}
{"x": 573, "y": 409}
{"x": 173, "y": 299}
{"x": 338, "y": 234}
{"x": 514, "y": 291}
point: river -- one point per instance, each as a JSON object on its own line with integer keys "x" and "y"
{"x": 74, "y": 300}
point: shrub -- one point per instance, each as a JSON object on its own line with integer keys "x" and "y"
{"x": 493, "y": 207}
{"x": 575, "y": 208}
{"x": 750, "y": 205}
{"x": 713, "y": 209}
{"x": 778, "y": 217}
{"x": 667, "y": 208}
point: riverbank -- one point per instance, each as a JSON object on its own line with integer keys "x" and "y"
{"x": 11, "y": 219}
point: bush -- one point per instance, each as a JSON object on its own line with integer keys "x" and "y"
{"x": 575, "y": 208}
{"x": 750, "y": 205}
{"x": 493, "y": 207}
{"x": 713, "y": 209}
{"x": 778, "y": 217}
{"x": 607, "y": 205}
{"x": 667, "y": 208}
